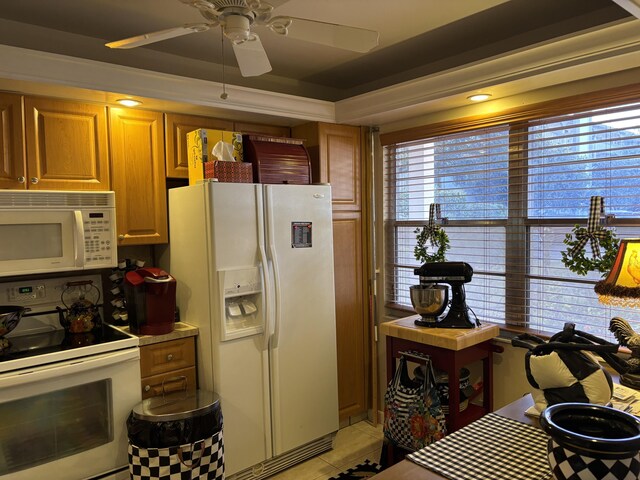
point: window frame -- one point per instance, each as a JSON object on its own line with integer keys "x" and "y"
{"x": 517, "y": 225}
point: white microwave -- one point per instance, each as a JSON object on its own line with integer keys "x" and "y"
{"x": 53, "y": 231}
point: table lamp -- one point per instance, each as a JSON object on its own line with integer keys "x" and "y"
{"x": 621, "y": 288}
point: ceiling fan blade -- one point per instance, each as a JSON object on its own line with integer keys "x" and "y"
{"x": 251, "y": 57}
{"x": 153, "y": 37}
{"x": 340, "y": 36}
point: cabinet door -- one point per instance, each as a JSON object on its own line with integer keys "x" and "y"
{"x": 12, "y": 161}
{"x": 335, "y": 158}
{"x": 137, "y": 158}
{"x": 351, "y": 321}
{"x": 340, "y": 149}
{"x": 66, "y": 145}
{"x": 176, "y": 129}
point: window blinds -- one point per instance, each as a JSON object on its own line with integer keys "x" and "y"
{"x": 509, "y": 194}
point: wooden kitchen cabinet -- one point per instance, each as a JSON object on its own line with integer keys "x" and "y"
{"x": 66, "y": 145}
{"x": 12, "y": 160}
{"x": 335, "y": 152}
{"x": 335, "y": 159}
{"x": 168, "y": 366}
{"x": 176, "y": 128}
{"x": 138, "y": 176}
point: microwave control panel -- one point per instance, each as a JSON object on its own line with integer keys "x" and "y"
{"x": 100, "y": 247}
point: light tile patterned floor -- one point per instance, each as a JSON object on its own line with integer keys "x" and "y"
{"x": 353, "y": 444}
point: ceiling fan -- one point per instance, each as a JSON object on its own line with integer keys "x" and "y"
{"x": 236, "y": 18}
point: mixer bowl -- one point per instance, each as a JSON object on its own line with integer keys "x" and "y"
{"x": 10, "y": 316}
{"x": 429, "y": 300}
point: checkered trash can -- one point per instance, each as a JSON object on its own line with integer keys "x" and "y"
{"x": 177, "y": 437}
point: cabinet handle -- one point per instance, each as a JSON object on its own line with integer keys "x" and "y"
{"x": 120, "y": 237}
{"x": 169, "y": 357}
{"x": 147, "y": 388}
{"x": 34, "y": 180}
{"x": 21, "y": 179}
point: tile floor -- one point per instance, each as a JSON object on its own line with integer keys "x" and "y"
{"x": 352, "y": 445}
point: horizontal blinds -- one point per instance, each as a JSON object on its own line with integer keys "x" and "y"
{"x": 509, "y": 195}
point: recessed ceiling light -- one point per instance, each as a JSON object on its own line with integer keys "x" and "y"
{"x": 129, "y": 102}
{"x": 479, "y": 97}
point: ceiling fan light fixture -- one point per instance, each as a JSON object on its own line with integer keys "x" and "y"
{"x": 237, "y": 28}
{"x": 479, "y": 97}
{"x": 128, "y": 102}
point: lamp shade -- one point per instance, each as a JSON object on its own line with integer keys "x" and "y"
{"x": 622, "y": 285}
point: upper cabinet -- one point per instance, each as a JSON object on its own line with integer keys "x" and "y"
{"x": 66, "y": 146}
{"x": 335, "y": 159}
{"x": 12, "y": 162}
{"x": 138, "y": 176}
{"x": 176, "y": 128}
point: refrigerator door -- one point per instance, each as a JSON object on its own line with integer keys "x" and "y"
{"x": 304, "y": 383}
{"x": 217, "y": 257}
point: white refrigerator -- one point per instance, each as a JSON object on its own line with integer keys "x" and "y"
{"x": 254, "y": 266}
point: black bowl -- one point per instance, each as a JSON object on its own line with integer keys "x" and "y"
{"x": 592, "y": 430}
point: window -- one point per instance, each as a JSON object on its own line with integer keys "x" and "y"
{"x": 509, "y": 194}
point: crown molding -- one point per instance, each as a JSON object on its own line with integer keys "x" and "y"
{"x": 20, "y": 64}
{"x": 597, "y": 52}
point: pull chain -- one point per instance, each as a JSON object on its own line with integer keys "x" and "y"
{"x": 224, "y": 94}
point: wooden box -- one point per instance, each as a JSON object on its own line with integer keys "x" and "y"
{"x": 277, "y": 159}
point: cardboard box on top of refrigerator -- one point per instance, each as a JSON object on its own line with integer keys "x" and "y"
{"x": 203, "y": 161}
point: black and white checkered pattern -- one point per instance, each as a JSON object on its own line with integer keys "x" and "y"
{"x": 567, "y": 465}
{"x": 202, "y": 460}
{"x": 494, "y": 447}
{"x": 413, "y": 413}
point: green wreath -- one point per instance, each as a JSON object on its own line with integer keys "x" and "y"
{"x": 578, "y": 261}
{"x": 436, "y": 238}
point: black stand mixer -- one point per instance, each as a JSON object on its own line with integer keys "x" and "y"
{"x": 430, "y": 299}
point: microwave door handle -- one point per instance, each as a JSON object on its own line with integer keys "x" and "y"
{"x": 79, "y": 240}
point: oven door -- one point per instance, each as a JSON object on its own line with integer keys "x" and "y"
{"x": 67, "y": 420}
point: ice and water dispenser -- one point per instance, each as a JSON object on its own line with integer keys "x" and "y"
{"x": 241, "y": 290}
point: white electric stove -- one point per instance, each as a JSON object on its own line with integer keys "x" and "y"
{"x": 65, "y": 397}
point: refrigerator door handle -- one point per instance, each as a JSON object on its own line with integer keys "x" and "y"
{"x": 274, "y": 261}
{"x": 266, "y": 280}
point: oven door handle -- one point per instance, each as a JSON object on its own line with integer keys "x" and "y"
{"x": 70, "y": 367}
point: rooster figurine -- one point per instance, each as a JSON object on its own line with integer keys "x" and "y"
{"x": 633, "y": 268}
{"x": 630, "y": 339}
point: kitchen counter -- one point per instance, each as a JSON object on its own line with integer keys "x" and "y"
{"x": 181, "y": 330}
{"x": 450, "y": 338}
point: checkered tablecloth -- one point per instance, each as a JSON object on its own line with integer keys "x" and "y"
{"x": 493, "y": 447}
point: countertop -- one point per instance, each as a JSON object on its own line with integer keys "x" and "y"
{"x": 449, "y": 338}
{"x": 181, "y": 330}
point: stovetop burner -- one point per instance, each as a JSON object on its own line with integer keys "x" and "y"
{"x": 39, "y": 339}
{"x": 25, "y": 346}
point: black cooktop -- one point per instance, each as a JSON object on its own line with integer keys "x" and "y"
{"x": 24, "y": 346}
